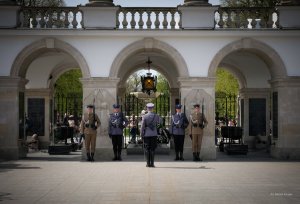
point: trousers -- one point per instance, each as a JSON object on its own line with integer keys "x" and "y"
{"x": 196, "y": 142}
{"x": 179, "y": 142}
{"x": 90, "y": 142}
{"x": 117, "y": 143}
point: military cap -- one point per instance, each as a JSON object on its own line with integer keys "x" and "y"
{"x": 90, "y": 106}
{"x": 197, "y": 105}
{"x": 150, "y": 105}
{"x": 178, "y": 106}
{"x": 116, "y": 106}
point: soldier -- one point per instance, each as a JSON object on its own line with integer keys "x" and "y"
{"x": 117, "y": 122}
{"x": 89, "y": 124}
{"x": 179, "y": 123}
{"x": 149, "y": 133}
{"x": 197, "y": 123}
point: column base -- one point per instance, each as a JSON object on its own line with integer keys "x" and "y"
{"x": 9, "y": 153}
{"x": 286, "y": 153}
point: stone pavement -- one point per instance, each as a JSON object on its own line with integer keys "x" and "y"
{"x": 231, "y": 179}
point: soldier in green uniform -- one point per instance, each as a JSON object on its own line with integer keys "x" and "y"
{"x": 89, "y": 124}
{"x": 197, "y": 123}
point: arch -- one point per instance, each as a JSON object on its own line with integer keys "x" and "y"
{"x": 34, "y": 50}
{"x": 150, "y": 45}
{"x": 58, "y": 71}
{"x": 265, "y": 52}
{"x": 235, "y": 72}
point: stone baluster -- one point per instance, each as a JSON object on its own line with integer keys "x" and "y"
{"x": 49, "y": 24}
{"x": 33, "y": 16}
{"x": 133, "y": 22}
{"x": 221, "y": 21}
{"x": 74, "y": 22}
{"x": 125, "y": 22}
{"x": 173, "y": 22}
{"x": 165, "y": 21}
{"x": 141, "y": 22}
{"x": 149, "y": 23}
{"x": 180, "y": 20}
{"x": 42, "y": 21}
{"x": 229, "y": 20}
{"x": 237, "y": 18}
{"x": 157, "y": 23}
{"x": 66, "y": 22}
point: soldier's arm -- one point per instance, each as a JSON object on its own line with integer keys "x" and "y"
{"x": 82, "y": 125}
{"x": 98, "y": 121}
{"x": 143, "y": 127}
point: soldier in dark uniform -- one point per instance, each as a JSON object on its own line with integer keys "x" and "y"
{"x": 89, "y": 124}
{"x": 179, "y": 123}
{"x": 197, "y": 123}
{"x": 117, "y": 122}
{"x": 149, "y": 133}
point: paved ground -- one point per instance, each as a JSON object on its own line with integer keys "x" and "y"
{"x": 65, "y": 179}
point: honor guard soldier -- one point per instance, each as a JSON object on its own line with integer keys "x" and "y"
{"x": 197, "y": 123}
{"x": 179, "y": 124}
{"x": 89, "y": 124}
{"x": 117, "y": 122}
{"x": 149, "y": 133}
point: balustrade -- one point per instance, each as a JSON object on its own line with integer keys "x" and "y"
{"x": 148, "y": 18}
{"x": 48, "y": 17}
{"x": 246, "y": 18}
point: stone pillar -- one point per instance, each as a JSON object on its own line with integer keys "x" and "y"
{"x": 46, "y": 94}
{"x": 247, "y": 94}
{"x": 287, "y": 145}
{"x": 197, "y": 14}
{"x": 289, "y": 14}
{"x": 174, "y": 94}
{"x": 9, "y": 14}
{"x": 9, "y": 116}
{"x": 104, "y": 92}
{"x": 196, "y": 3}
{"x": 197, "y": 90}
{"x": 100, "y": 15}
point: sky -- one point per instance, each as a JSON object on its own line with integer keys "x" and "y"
{"x": 139, "y": 3}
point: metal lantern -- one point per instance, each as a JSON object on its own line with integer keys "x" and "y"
{"x": 149, "y": 81}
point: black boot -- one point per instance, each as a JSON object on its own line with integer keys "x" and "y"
{"x": 152, "y": 159}
{"x": 92, "y": 156}
{"x": 177, "y": 156}
{"x": 198, "y": 156}
{"x": 115, "y": 156}
{"x": 181, "y": 156}
{"x": 119, "y": 156}
{"x": 88, "y": 156}
{"x": 194, "y": 156}
{"x": 148, "y": 158}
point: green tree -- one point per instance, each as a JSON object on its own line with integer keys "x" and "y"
{"x": 43, "y": 3}
{"x": 249, "y": 3}
{"x": 227, "y": 88}
{"x": 69, "y": 83}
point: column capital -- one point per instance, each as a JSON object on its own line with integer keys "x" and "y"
{"x": 286, "y": 82}
{"x": 100, "y": 3}
{"x": 196, "y": 3}
{"x": 196, "y": 82}
{"x": 100, "y": 82}
{"x": 8, "y": 2}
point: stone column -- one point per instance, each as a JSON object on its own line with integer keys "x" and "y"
{"x": 287, "y": 145}
{"x": 246, "y": 95}
{"x": 200, "y": 90}
{"x": 197, "y": 14}
{"x": 9, "y": 116}
{"x": 99, "y": 14}
{"x": 196, "y": 3}
{"x": 9, "y": 14}
{"x": 104, "y": 92}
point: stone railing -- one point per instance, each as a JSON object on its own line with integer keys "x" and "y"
{"x": 246, "y": 18}
{"x": 148, "y": 18}
{"x": 47, "y": 17}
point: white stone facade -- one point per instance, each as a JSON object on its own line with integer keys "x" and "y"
{"x": 264, "y": 61}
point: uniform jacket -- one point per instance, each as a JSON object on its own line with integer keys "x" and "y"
{"x": 88, "y": 118}
{"x": 196, "y": 120}
{"x": 117, "y": 122}
{"x": 179, "y": 123}
{"x": 149, "y": 124}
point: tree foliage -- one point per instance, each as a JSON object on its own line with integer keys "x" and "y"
{"x": 249, "y": 3}
{"x": 43, "y": 3}
{"x": 68, "y": 83}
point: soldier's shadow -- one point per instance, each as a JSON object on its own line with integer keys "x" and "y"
{"x": 182, "y": 167}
